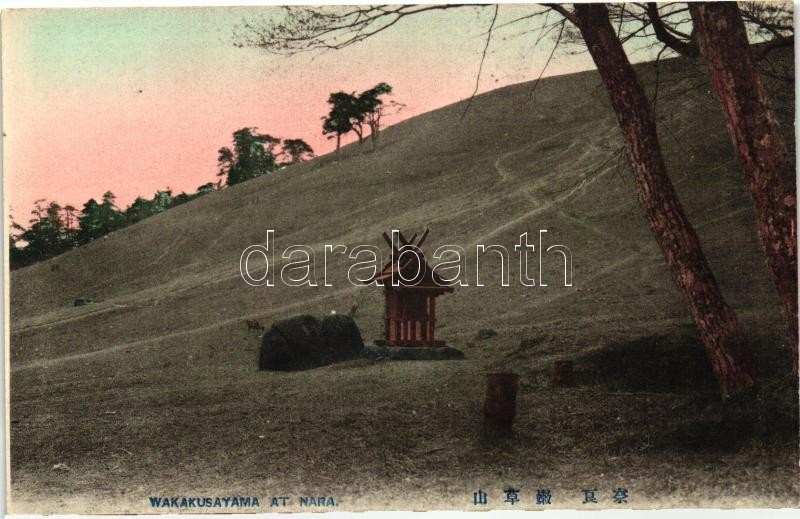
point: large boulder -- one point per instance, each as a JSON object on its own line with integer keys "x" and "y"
{"x": 292, "y": 344}
{"x": 342, "y": 337}
{"x": 303, "y": 342}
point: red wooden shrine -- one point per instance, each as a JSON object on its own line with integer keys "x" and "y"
{"x": 411, "y": 306}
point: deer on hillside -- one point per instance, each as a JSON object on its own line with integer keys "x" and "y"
{"x": 353, "y": 310}
{"x": 252, "y": 324}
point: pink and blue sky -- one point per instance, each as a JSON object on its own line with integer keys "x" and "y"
{"x": 135, "y": 100}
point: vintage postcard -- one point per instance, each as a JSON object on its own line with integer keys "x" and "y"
{"x": 400, "y": 257}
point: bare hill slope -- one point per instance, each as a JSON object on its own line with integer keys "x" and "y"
{"x": 165, "y": 341}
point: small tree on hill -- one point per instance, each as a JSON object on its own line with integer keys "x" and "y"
{"x": 372, "y": 107}
{"x": 162, "y": 200}
{"x": 181, "y": 198}
{"x": 296, "y": 150}
{"x": 205, "y": 189}
{"x": 138, "y": 210}
{"x": 97, "y": 220}
{"x": 47, "y": 234}
{"x": 251, "y": 156}
{"x": 341, "y": 118}
{"x": 70, "y": 218}
{"x": 350, "y": 112}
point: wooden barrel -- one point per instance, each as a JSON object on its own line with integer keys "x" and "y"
{"x": 501, "y": 397}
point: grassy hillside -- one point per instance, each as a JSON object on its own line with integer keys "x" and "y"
{"x": 153, "y": 390}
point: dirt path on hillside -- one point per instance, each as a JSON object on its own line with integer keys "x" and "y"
{"x": 46, "y": 363}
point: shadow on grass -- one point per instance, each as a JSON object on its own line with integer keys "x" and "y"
{"x": 766, "y": 413}
{"x": 676, "y": 365}
{"x": 653, "y": 364}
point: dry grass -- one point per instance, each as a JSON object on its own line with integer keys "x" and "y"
{"x": 154, "y": 390}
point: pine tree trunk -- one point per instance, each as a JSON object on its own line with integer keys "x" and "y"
{"x": 758, "y": 141}
{"x": 338, "y": 141}
{"x": 716, "y": 321}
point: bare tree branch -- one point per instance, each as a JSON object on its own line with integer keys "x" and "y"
{"x": 307, "y": 29}
{"x": 688, "y": 49}
{"x": 563, "y": 11}
{"x": 658, "y": 74}
{"x": 532, "y": 93}
{"x": 483, "y": 58}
